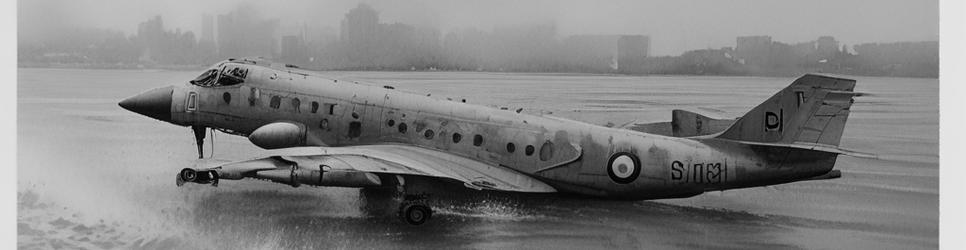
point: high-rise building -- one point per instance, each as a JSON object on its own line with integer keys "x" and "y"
{"x": 225, "y": 43}
{"x": 207, "y": 28}
{"x": 242, "y": 34}
{"x": 592, "y": 52}
{"x": 632, "y": 50}
{"x": 151, "y": 36}
{"x": 827, "y": 47}
{"x": 361, "y": 24}
{"x": 753, "y": 50}
{"x": 294, "y": 50}
{"x": 624, "y": 53}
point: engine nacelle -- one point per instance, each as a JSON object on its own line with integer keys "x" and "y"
{"x": 316, "y": 176}
{"x": 279, "y": 135}
{"x": 197, "y": 176}
{"x": 280, "y": 171}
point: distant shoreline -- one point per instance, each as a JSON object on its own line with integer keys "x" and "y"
{"x": 202, "y": 67}
{"x": 110, "y": 66}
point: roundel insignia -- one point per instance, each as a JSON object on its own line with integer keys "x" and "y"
{"x": 623, "y": 167}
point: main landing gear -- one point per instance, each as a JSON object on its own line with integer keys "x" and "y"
{"x": 407, "y": 195}
{"x": 414, "y": 210}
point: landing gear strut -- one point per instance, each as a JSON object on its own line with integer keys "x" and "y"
{"x": 413, "y": 206}
{"x": 199, "y": 140}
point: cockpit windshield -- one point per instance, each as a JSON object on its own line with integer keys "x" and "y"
{"x": 222, "y": 75}
{"x": 206, "y": 79}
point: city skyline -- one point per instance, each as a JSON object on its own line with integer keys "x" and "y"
{"x": 674, "y": 27}
{"x": 364, "y": 41}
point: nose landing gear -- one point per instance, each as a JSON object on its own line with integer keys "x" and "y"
{"x": 199, "y": 140}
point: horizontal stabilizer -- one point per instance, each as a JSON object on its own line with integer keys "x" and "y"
{"x": 685, "y": 124}
{"x": 815, "y": 147}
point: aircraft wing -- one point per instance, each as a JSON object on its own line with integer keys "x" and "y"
{"x": 355, "y": 166}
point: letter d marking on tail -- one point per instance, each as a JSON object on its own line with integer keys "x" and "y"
{"x": 773, "y": 122}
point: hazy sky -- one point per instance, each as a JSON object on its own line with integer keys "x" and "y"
{"x": 674, "y": 26}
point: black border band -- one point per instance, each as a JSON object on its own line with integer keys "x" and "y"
{"x": 614, "y": 177}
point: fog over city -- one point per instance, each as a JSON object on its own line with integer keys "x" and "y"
{"x": 673, "y": 26}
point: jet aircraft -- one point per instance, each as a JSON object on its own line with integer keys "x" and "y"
{"x": 321, "y": 131}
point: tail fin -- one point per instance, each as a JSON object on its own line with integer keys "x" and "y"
{"x": 812, "y": 110}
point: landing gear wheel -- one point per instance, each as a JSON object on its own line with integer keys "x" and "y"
{"x": 415, "y": 213}
{"x": 188, "y": 174}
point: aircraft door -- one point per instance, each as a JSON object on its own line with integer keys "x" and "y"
{"x": 357, "y": 119}
{"x": 385, "y": 116}
{"x": 372, "y": 113}
{"x": 251, "y": 95}
{"x": 364, "y": 119}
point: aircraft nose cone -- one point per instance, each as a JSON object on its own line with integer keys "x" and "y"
{"x": 155, "y": 103}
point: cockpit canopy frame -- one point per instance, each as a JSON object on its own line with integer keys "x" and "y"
{"x": 223, "y": 74}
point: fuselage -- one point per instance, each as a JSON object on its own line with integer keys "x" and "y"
{"x": 574, "y": 157}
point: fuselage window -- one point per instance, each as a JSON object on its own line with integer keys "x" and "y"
{"x": 324, "y": 124}
{"x": 402, "y": 127}
{"x": 546, "y": 151}
{"x": 315, "y": 107}
{"x": 253, "y": 97}
{"x": 331, "y": 108}
{"x": 276, "y": 101}
{"x": 391, "y": 122}
{"x": 510, "y": 147}
{"x": 529, "y": 150}
{"x": 227, "y": 97}
{"x": 457, "y": 137}
{"x": 355, "y": 129}
{"x": 429, "y": 134}
{"x": 296, "y": 103}
{"x": 477, "y": 140}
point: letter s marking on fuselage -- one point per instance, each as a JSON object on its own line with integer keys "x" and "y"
{"x": 708, "y": 173}
{"x": 677, "y": 170}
